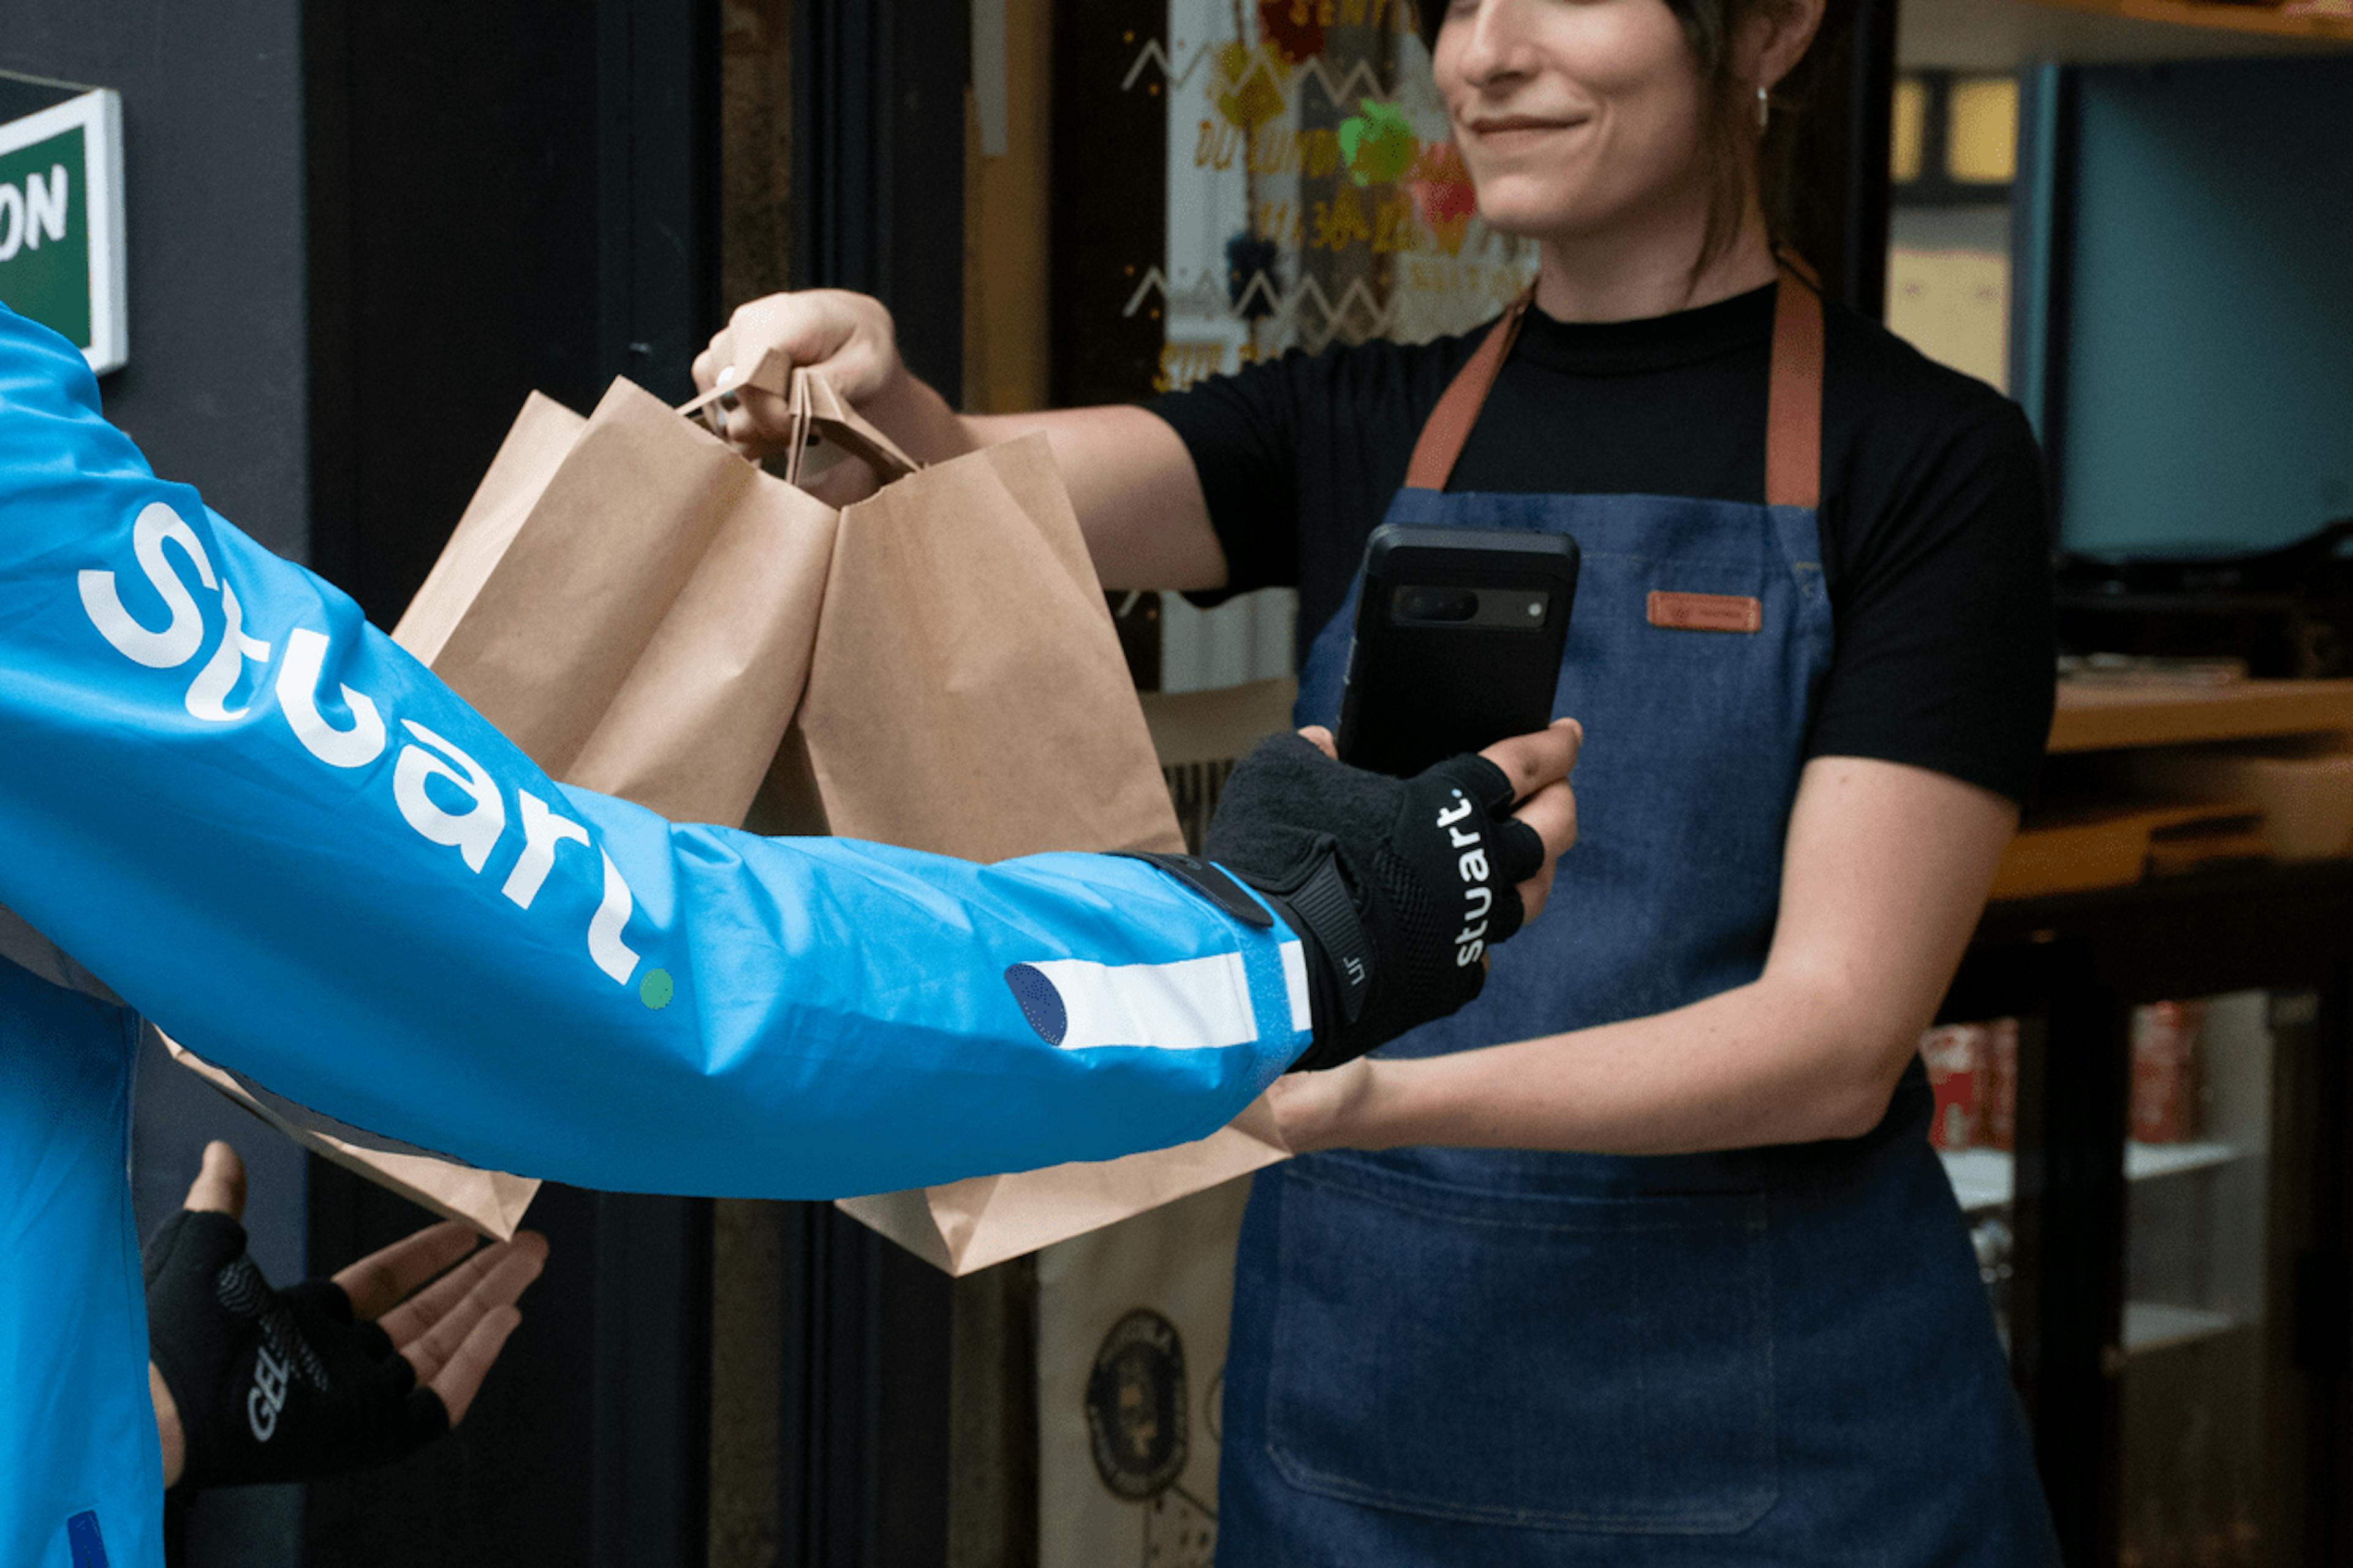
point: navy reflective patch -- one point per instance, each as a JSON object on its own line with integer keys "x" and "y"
{"x": 83, "y": 1541}
{"x": 1040, "y": 1002}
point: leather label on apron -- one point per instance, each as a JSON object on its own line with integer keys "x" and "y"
{"x": 1706, "y": 611}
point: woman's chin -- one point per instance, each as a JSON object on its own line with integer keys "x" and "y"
{"x": 1510, "y": 207}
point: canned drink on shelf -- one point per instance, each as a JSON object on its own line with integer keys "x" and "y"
{"x": 1955, "y": 1055}
{"x": 1999, "y": 1124}
{"x": 2165, "y": 1079}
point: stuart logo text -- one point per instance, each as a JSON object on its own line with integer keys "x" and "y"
{"x": 1478, "y": 897}
{"x": 423, "y": 757}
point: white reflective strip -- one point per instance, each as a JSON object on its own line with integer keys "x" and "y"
{"x": 1295, "y": 980}
{"x": 1196, "y": 1004}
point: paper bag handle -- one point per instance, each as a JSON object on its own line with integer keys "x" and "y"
{"x": 768, "y": 375}
{"x": 816, "y": 410}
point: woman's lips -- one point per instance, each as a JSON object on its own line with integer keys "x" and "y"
{"x": 1509, "y": 129}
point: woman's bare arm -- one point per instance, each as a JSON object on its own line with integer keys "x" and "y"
{"x": 1131, "y": 480}
{"x": 1887, "y": 868}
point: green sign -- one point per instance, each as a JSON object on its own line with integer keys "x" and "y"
{"x": 61, "y": 222}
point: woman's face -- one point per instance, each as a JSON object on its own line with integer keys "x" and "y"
{"x": 1573, "y": 116}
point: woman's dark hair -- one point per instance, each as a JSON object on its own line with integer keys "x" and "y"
{"x": 1709, "y": 28}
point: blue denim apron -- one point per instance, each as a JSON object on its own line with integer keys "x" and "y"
{"x": 1778, "y": 1355}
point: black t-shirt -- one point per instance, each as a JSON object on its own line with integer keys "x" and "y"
{"x": 1936, "y": 547}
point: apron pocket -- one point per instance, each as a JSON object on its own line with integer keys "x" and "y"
{"x": 1600, "y": 1365}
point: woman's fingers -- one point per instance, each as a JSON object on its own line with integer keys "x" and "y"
{"x": 1535, "y": 892}
{"x": 1531, "y": 761}
{"x": 430, "y": 1305}
{"x": 1321, "y": 739}
{"x": 1552, "y": 812}
{"x": 717, "y": 355}
{"x": 431, "y": 1351}
{"x": 219, "y": 1187}
{"x": 382, "y": 1279}
{"x": 460, "y": 1377}
{"x": 760, "y": 423}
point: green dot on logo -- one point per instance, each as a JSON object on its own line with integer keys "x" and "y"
{"x": 657, "y": 988}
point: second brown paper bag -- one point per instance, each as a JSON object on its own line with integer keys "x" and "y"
{"x": 968, "y": 696}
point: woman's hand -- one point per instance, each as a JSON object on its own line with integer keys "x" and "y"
{"x": 848, "y": 337}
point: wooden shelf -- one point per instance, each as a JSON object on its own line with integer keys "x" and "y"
{"x": 2000, "y": 35}
{"x": 2301, "y": 23}
{"x": 2110, "y": 715}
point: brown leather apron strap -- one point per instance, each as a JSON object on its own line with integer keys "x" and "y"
{"x": 1793, "y": 405}
{"x": 1793, "y": 415}
{"x": 1458, "y": 408}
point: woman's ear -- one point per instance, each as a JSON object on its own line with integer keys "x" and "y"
{"x": 1774, "y": 37}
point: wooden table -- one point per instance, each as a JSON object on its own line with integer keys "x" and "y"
{"x": 2109, "y": 715}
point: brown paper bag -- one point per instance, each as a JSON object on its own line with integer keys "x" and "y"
{"x": 633, "y": 604}
{"x": 963, "y": 607}
{"x": 635, "y": 613}
{"x": 489, "y": 1201}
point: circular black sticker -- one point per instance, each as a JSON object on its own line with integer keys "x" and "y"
{"x": 1135, "y": 1406}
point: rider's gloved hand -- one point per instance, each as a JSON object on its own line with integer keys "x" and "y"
{"x": 256, "y": 1383}
{"x": 1397, "y": 887}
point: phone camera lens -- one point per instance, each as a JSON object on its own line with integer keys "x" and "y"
{"x": 1436, "y": 604}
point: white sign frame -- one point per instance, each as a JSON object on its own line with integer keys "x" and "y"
{"x": 99, "y": 113}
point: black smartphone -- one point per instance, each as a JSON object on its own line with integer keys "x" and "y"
{"x": 1458, "y": 643}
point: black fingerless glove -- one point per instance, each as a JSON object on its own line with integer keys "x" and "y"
{"x": 271, "y": 1385}
{"x": 1397, "y": 887}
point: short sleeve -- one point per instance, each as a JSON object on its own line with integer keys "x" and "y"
{"x": 1241, "y": 431}
{"x": 1945, "y": 642}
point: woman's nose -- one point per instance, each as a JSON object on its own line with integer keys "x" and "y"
{"x": 1496, "y": 46}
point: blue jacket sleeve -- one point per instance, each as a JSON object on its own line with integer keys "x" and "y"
{"x": 281, "y": 838}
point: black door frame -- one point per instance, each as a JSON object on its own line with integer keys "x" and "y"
{"x": 605, "y": 120}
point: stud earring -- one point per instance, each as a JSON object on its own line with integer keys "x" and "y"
{"x": 1764, "y": 108}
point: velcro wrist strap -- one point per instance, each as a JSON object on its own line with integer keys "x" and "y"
{"x": 1324, "y": 906}
{"x": 1214, "y": 883}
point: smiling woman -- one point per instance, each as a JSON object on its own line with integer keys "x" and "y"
{"x": 1716, "y": 120}
{"x": 1643, "y": 1255}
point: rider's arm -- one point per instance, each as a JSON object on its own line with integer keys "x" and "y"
{"x": 280, "y": 838}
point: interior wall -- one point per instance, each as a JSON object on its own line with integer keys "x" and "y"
{"x": 212, "y": 104}
{"x": 2207, "y": 320}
